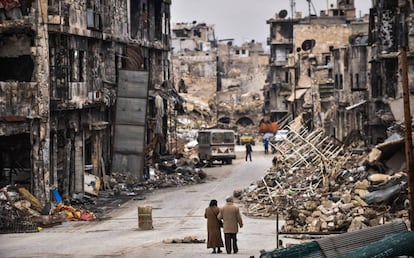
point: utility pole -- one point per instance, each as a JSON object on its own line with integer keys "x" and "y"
{"x": 407, "y": 120}
{"x": 293, "y": 80}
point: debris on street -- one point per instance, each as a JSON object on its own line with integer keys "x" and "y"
{"x": 317, "y": 186}
{"x": 21, "y": 212}
{"x": 185, "y": 240}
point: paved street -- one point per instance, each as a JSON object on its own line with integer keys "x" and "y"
{"x": 177, "y": 213}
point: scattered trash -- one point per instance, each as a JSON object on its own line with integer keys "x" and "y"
{"x": 185, "y": 240}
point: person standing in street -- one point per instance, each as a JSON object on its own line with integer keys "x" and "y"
{"x": 214, "y": 239}
{"x": 266, "y": 145}
{"x": 249, "y": 151}
{"x": 232, "y": 220}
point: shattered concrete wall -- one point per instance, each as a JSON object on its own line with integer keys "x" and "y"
{"x": 313, "y": 43}
{"x": 351, "y": 75}
{"x": 190, "y": 36}
{"x": 386, "y": 37}
{"x": 27, "y": 97}
{"x": 239, "y": 76}
{"x": 325, "y": 36}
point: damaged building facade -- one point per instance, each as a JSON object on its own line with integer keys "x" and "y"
{"x": 339, "y": 72}
{"x": 300, "y": 79}
{"x": 83, "y": 88}
{"x": 224, "y": 79}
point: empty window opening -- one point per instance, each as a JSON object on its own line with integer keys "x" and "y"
{"x": 16, "y": 68}
{"x": 15, "y": 160}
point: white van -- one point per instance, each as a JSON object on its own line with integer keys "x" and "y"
{"x": 216, "y": 145}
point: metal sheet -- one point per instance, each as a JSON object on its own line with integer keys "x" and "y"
{"x": 340, "y": 245}
{"x": 131, "y": 111}
{"x": 129, "y": 164}
{"x": 133, "y": 84}
{"x": 129, "y": 136}
{"x": 129, "y": 139}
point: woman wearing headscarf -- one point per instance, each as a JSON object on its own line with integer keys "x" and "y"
{"x": 214, "y": 239}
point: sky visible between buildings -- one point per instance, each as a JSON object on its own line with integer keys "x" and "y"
{"x": 245, "y": 20}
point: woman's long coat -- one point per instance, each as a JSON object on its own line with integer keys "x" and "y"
{"x": 213, "y": 227}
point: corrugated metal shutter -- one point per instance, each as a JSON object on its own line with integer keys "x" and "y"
{"x": 129, "y": 137}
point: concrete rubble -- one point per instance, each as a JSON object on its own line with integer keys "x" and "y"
{"x": 21, "y": 212}
{"x": 185, "y": 240}
{"x": 318, "y": 187}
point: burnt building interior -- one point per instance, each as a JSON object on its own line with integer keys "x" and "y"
{"x": 61, "y": 64}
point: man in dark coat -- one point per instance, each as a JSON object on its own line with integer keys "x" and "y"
{"x": 249, "y": 151}
{"x": 232, "y": 219}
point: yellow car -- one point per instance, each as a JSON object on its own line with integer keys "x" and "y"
{"x": 245, "y": 138}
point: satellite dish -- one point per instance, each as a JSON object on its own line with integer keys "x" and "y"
{"x": 282, "y": 14}
{"x": 308, "y": 44}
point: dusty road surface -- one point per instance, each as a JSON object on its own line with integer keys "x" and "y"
{"x": 177, "y": 213}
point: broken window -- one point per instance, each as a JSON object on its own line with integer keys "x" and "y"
{"x": 158, "y": 17}
{"x": 16, "y": 68}
{"x": 390, "y": 76}
{"x": 15, "y": 161}
{"x": 10, "y": 10}
{"x": 327, "y": 59}
{"x": 88, "y": 151}
{"x": 93, "y": 16}
{"x": 357, "y": 81}
{"x": 330, "y": 73}
{"x": 59, "y": 66}
{"x": 77, "y": 62}
{"x": 351, "y": 78}
{"x": 139, "y": 20}
{"x": 134, "y": 10}
{"x": 197, "y": 33}
{"x": 337, "y": 81}
{"x": 376, "y": 82}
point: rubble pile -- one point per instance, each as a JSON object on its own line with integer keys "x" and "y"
{"x": 168, "y": 173}
{"x": 319, "y": 187}
{"x": 185, "y": 240}
{"x": 21, "y": 212}
{"x": 13, "y": 220}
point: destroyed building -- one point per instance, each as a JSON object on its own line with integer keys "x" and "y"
{"x": 192, "y": 37}
{"x": 85, "y": 89}
{"x": 221, "y": 81}
{"x": 300, "y": 71}
{"x": 345, "y": 93}
{"x": 339, "y": 72}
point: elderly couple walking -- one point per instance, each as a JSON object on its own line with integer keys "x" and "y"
{"x": 231, "y": 218}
